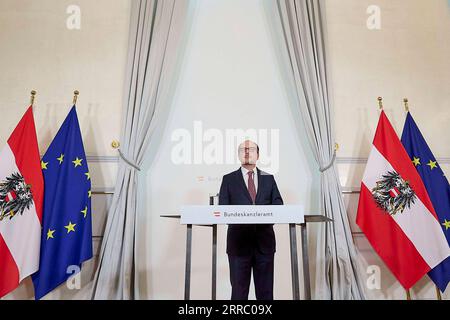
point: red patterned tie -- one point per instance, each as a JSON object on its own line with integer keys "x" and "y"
{"x": 251, "y": 186}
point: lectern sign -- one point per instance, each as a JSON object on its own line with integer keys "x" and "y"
{"x": 251, "y": 214}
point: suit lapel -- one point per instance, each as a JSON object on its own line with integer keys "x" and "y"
{"x": 258, "y": 172}
{"x": 240, "y": 178}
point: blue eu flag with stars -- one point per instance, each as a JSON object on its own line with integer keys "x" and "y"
{"x": 67, "y": 225}
{"x": 437, "y": 187}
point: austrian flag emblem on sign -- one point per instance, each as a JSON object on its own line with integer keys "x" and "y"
{"x": 393, "y": 194}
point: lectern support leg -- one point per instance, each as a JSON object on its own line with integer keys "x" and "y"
{"x": 214, "y": 255}
{"x": 187, "y": 273}
{"x": 214, "y": 262}
{"x": 294, "y": 261}
{"x": 305, "y": 259}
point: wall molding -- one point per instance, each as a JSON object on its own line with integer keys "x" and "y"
{"x": 358, "y": 160}
{"x": 102, "y": 190}
{"x": 339, "y": 160}
{"x": 350, "y": 190}
{"x": 102, "y": 159}
{"x": 113, "y": 159}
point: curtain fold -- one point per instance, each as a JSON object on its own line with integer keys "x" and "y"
{"x": 155, "y": 28}
{"x": 338, "y": 270}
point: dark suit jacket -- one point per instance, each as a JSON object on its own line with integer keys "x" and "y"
{"x": 243, "y": 239}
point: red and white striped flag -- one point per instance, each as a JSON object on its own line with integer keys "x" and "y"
{"x": 21, "y": 196}
{"x": 395, "y": 211}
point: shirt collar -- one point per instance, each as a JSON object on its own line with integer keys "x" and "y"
{"x": 245, "y": 171}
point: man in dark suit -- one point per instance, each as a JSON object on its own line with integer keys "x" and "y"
{"x": 250, "y": 246}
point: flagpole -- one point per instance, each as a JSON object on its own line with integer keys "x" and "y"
{"x": 75, "y": 96}
{"x": 405, "y": 102}
{"x": 33, "y": 94}
{"x": 438, "y": 293}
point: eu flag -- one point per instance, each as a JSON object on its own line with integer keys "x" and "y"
{"x": 67, "y": 228}
{"x": 437, "y": 187}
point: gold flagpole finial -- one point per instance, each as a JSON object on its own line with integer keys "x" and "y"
{"x": 380, "y": 103}
{"x": 405, "y": 102}
{"x": 33, "y": 94}
{"x": 75, "y": 96}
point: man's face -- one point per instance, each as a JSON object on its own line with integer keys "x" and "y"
{"x": 248, "y": 152}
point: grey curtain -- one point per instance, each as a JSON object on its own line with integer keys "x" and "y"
{"x": 338, "y": 271}
{"x": 155, "y": 29}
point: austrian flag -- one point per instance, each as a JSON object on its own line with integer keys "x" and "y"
{"x": 21, "y": 196}
{"x": 395, "y": 211}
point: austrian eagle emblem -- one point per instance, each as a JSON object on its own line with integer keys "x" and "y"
{"x": 15, "y": 196}
{"x": 393, "y": 194}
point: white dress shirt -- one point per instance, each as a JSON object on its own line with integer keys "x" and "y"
{"x": 255, "y": 177}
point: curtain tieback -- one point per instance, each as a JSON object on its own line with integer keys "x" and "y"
{"x": 129, "y": 162}
{"x": 328, "y": 166}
